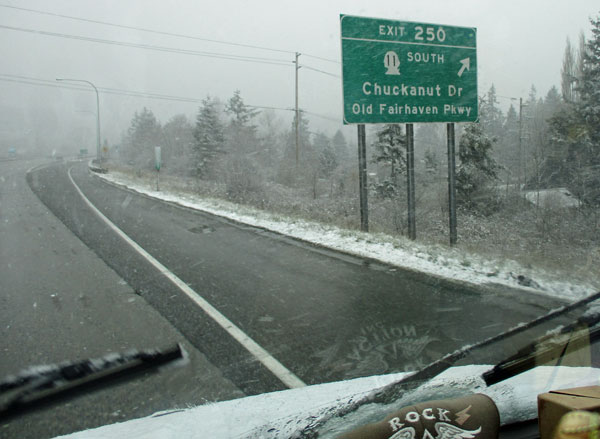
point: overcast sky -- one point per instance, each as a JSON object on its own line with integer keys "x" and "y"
{"x": 519, "y": 43}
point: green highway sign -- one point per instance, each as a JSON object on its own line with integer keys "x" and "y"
{"x": 405, "y": 72}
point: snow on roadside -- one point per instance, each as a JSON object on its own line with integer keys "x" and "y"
{"x": 449, "y": 263}
{"x": 560, "y": 197}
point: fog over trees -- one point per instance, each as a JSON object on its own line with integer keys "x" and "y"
{"x": 528, "y": 174}
{"x": 544, "y": 141}
{"x": 539, "y": 142}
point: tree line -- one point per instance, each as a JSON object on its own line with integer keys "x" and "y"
{"x": 235, "y": 144}
{"x": 540, "y": 142}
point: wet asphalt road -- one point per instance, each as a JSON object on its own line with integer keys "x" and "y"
{"x": 323, "y": 315}
{"x": 59, "y": 302}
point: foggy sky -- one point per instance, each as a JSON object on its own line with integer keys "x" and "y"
{"x": 519, "y": 43}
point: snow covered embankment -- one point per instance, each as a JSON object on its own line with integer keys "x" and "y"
{"x": 444, "y": 262}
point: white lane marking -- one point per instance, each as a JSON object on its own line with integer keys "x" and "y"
{"x": 270, "y": 362}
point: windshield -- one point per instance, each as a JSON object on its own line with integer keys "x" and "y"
{"x": 296, "y": 194}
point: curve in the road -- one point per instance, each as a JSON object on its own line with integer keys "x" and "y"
{"x": 279, "y": 370}
{"x": 324, "y": 316}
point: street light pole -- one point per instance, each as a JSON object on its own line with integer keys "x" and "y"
{"x": 97, "y": 112}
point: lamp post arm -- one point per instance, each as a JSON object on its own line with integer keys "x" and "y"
{"x": 97, "y": 111}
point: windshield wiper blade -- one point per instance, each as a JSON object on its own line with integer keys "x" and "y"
{"x": 544, "y": 350}
{"x": 40, "y": 386}
{"x": 391, "y": 392}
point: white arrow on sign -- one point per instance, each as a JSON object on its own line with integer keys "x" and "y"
{"x": 466, "y": 65}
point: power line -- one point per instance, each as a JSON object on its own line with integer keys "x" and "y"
{"x": 321, "y": 58}
{"x": 131, "y": 93}
{"x": 320, "y": 71}
{"x": 141, "y": 29}
{"x": 270, "y": 108}
{"x": 272, "y": 61}
{"x": 322, "y": 116}
{"x": 161, "y": 48}
{"x": 158, "y": 32}
{"x": 261, "y": 60}
{"x": 244, "y": 58}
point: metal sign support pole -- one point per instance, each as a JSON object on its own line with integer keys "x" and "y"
{"x": 362, "y": 178}
{"x": 451, "y": 183}
{"x": 410, "y": 177}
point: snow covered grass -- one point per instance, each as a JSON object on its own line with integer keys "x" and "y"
{"x": 455, "y": 263}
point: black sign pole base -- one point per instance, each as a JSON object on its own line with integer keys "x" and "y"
{"x": 410, "y": 177}
{"x": 451, "y": 184}
{"x": 362, "y": 179}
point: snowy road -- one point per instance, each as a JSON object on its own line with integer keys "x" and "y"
{"x": 324, "y": 316}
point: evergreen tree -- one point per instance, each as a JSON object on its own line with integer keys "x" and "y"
{"x": 575, "y": 130}
{"x": 491, "y": 116}
{"x": 567, "y": 73}
{"x": 431, "y": 160}
{"x": 242, "y": 114}
{"x": 390, "y": 150}
{"x": 509, "y": 144}
{"x": 532, "y": 98}
{"x": 209, "y": 137}
{"x": 305, "y": 148}
{"x": 340, "y": 146}
{"x": 432, "y": 146}
{"x": 589, "y": 113}
{"x": 179, "y": 140}
{"x": 143, "y": 135}
{"x": 241, "y": 133}
{"x": 548, "y": 173}
{"x": 304, "y": 158}
{"x": 531, "y": 126}
{"x": 589, "y": 90}
{"x": 320, "y": 142}
{"x": 552, "y": 103}
{"x": 476, "y": 169}
{"x": 579, "y": 65}
{"x": 271, "y": 144}
{"x": 327, "y": 157}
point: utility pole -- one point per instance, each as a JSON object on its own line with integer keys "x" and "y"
{"x": 297, "y": 110}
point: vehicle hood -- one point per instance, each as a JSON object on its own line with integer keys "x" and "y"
{"x": 283, "y": 413}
